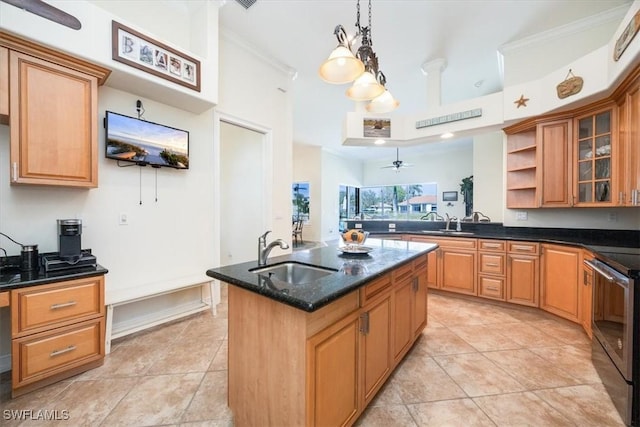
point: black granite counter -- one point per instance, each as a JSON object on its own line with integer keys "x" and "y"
{"x": 618, "y": 248}
{"x": 351, "y": 272}
{"x": 12, "y": 278}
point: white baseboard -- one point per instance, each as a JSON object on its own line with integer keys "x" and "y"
{"x": 156, "y": 318}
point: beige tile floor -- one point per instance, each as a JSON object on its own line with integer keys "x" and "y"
{"x": 476, "y": 364}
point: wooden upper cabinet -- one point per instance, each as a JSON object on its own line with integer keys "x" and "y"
{"x": 54, "y": 132}
{"x": 554, "y": 159}
{"x": 596, "y": 158}
{"x": 4, "y": 85}
{"x": 52, "y": 114}
{"x": 628, "y": 143}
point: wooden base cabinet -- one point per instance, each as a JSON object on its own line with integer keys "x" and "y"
{"x": 491, "y": 269}
{"x": 586, "y": 295}
{"x": 523, "y": 284}
{"x": 57, "y": 331}
{"x": 559, "y": 285}
{"x": 324, "y": 367}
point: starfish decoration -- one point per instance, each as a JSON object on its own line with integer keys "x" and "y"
{"x": 522, "y": 102}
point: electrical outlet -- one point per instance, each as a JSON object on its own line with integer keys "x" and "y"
{"x": 612, "y": 217}
{"x": 392, "y": 226}
{"x": 123, "y": 219}
{"x": 358, "y": 225}
{"x": 521, "y": 216}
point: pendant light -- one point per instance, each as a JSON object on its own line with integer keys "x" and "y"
{"x": 369, "y": 82}
{"x": 342, "y": 66}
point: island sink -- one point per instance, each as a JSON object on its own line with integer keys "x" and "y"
{"x": 293, "y": 272}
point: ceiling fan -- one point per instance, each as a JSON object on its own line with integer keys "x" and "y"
{"x": 47, "y": 11}
{"x": 397, "y": 164}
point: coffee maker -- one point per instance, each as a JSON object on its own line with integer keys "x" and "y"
{"x": 69, "y": 239}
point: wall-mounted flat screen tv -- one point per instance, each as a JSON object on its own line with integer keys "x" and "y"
{"x": 145, "y": 143}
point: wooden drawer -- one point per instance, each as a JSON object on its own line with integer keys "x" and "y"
{"x": 523, "y": 248}
{"x": 420, "y": 263}
{"x": 492, "y": 263}
{"x": 38, "y": 356}
{"x": 375, "y": 288}
{"x": 492, "y": 245}
{"x": 40, "y": 308}
{"x": 402, "y": 272}
{"x": 491, "y": 287}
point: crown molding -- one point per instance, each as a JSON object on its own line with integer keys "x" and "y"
{"x": 614, "y": 14}
{"x": 234, "y": 38}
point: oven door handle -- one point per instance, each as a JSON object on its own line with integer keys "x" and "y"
{"x": 605, "y": 274}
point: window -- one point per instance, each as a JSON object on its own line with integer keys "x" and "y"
{"x": 411, "y": 201}
{"x": 300, "y": 201}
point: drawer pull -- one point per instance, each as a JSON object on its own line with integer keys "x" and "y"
{"x": 63, "y": 351}
{"x": 491, "y": 245}
{"x": 62, "y": 305}
{"x": 492, "y": 288}
{"x": 522, "y": 248}
{"x": 492, "y": 264}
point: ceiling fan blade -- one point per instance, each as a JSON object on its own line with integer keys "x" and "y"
{"x": 45, "y": 10}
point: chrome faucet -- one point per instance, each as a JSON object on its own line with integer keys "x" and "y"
{"x": 449, "y": 219}
{"x": 264, "y": 249}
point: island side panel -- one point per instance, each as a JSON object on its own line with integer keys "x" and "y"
{"x": 266, "y": 361}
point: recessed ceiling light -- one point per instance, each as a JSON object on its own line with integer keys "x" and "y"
{"x": 446, "y": 135}
{"x": 379, "y": 141}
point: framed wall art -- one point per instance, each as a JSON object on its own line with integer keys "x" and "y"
{"x": 449, "y": 196}
{"x": 130, "y": 47}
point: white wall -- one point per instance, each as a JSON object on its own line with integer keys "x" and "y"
{"x": 488, "y": 187}
{"x": 338, "y": 171}
{"x": 241, "y": 193}
{"x": 307, "y": 167}
{"x": 446, "y": 164}
{"x": 256, "y": 94}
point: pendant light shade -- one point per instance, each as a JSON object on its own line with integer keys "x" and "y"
{"x": 365, "y": 88}
{"x": 341, "y": 67}
{"x": 384, "y": 103}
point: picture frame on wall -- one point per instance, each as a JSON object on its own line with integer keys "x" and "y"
{"x": 139, "y": 51}
{"x": 449, "y": 196}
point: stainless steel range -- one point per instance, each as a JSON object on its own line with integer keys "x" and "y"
{"x": 616, "y": 326}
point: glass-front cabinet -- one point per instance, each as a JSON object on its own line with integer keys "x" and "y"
{"x": 595, "y": 144}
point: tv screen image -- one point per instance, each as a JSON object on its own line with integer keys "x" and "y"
{"x": 142, "y": 142}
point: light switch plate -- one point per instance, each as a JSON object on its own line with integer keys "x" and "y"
{"x": 521, "y": 216}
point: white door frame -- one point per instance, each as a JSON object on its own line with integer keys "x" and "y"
{"x": 267, "y": 155}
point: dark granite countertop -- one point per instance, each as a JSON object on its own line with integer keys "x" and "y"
{"x": 12, "y": 278}
{"x": 618, "y": 248}
{"x": 351, "y": 272}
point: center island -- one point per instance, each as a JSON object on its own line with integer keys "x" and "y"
{"x": 315, "y": 334}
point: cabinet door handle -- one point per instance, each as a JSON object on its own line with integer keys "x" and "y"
{"x": 55, "y": 353}
{"x": 634, "y": 197}
{"x": 14, "y": 172}
{"x": 621, "y": 198}
{"x": 62, "y": 305}
{"x": 364, "y": 323}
